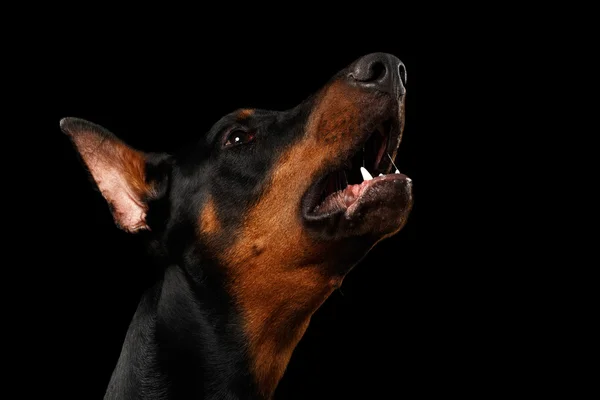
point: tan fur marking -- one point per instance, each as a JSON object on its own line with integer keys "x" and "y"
{"x": 209, "y": 222}
{"x": 278, "y": 274}
{"x": 245, "y": 113}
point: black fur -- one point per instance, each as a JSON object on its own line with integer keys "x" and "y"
{"x": 186, "y": 340}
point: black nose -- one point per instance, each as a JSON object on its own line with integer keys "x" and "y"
{"x": 380, "y": 71}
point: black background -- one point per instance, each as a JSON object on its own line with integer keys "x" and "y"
{"x": 371, "y": 337}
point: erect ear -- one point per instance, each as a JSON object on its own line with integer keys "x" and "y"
{"x": 120, "y": 172}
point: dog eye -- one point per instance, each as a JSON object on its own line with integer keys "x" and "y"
{"x": 238, "y": 137}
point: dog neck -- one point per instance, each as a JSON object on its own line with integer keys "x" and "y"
{"x": 276, "y": 312}
{"x": 237, "y": 346}
{"x": 184, "y": 342}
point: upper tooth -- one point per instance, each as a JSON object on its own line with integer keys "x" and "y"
{"x": 365, "y": 174}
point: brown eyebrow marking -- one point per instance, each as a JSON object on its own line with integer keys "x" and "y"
{"x": 245, "y": 113}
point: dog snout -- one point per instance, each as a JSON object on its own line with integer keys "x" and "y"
{"x": 379, "y": 71}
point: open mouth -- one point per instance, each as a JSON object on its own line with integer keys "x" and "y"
{"x": 368, "y": 176}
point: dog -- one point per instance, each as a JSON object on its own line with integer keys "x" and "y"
{"x": 254, "y": 226}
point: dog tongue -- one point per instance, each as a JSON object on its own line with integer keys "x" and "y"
{"x": 351, "y": 193}
{"x": 341, "y": 199}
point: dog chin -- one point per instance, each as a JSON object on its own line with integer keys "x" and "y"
{"x": 377, "y": 208}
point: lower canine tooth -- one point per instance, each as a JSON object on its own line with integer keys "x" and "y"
{"x": 365, "y": 174}
{"x": 397, "y": 171}
{"x": 380, "y": 174}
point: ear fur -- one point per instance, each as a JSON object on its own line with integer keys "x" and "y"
{"x": 119, "y": 171}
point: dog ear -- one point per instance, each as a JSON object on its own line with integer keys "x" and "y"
{"x": 127, "y": 178}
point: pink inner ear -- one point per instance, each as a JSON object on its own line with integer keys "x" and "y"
{"x": 119, "y": 172}
{"x": 128, "y": 209}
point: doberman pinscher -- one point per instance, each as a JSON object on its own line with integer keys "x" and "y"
{"x": 254, "y": 226}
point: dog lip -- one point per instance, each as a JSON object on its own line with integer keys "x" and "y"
{"x": 365, "y": 196}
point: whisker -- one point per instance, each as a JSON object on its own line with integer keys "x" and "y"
{"x": 397, "y": 170}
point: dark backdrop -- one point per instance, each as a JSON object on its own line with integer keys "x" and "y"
{"x": 371, "y": 337}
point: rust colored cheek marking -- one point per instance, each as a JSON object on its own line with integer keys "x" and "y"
{"x": 277, "y": 273}
{"x": 275, "y": 277}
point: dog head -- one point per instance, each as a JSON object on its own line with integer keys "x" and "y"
{"x": 279, "y": 204}
{"x": 277, "y": 184}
